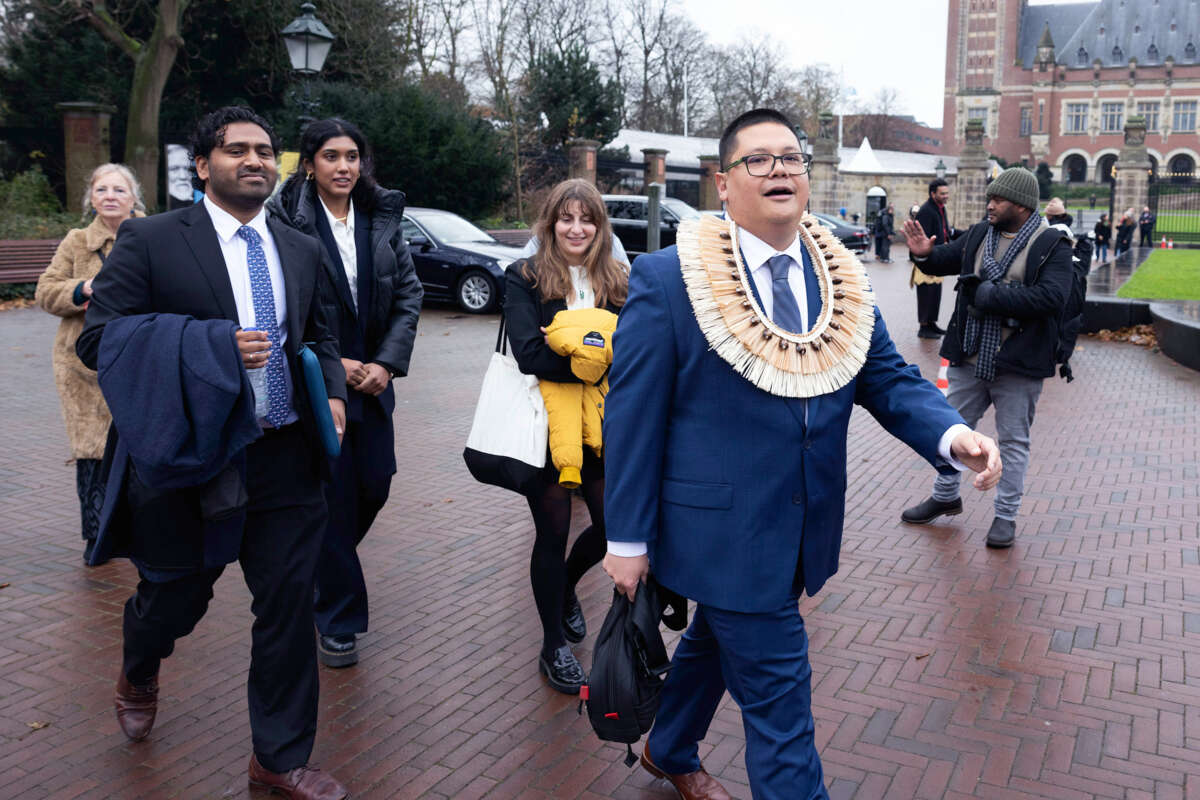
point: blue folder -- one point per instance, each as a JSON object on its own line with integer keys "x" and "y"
{"x": 314, "y": 382}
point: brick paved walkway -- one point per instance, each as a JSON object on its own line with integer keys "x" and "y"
{"x": 1065, "y": 668}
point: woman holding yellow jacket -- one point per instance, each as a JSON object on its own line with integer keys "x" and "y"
{"x": 573, "y": 268}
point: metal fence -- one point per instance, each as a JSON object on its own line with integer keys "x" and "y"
{"x": 1175, "y": 203}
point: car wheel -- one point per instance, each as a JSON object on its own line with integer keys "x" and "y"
{"x": 476, "y": 293}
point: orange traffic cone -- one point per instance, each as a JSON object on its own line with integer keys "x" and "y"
{"x": 1170, "y": 244}
{"x": 943, "y": 382}
{"x": 1163, "y": 246}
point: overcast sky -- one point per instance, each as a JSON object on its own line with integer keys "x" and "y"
{"x": 872, "y": 43}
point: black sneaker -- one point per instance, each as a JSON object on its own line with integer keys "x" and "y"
{"x": 929, "y": 509}
{"x": 1002, "y": 533}
{"x": 337, "y": 651}
{"x": 573, "y": 624}
{"x": 563, "y": 672}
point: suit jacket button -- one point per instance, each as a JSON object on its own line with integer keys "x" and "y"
{"x": 797, "y": 499}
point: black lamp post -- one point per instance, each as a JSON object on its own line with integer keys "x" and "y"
{"x": 802, "y": 137}
{"x": 939, "y": 169}
{"x": 308, "y": 42}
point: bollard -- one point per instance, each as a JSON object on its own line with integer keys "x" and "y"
{"x": 654, "y": 193}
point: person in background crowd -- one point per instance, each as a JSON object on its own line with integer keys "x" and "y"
{"x": 933, "y": 219}
{"x": 64, "y": 289}
{"x": 223, "y": 260}
{"x": 1056, "y": 213}
{"x": 573, "y": 268}
{"x": 728, "y": 478}
{"x": 1146, "y": 228}
{"x": 1125, "y": 233}
{"x": 1014, "y": 280}
{"x": 374, "y": 299}
{"x": 884, "y": 228}
{"x": 1103, "y": 232}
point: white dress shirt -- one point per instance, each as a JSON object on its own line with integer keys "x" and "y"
{"x": 756, "y": 253}
{"x": 233, "y": 248}
{"x": 343, "y": 234}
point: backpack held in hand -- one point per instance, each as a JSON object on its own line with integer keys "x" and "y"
{"x": 629, "y": 665}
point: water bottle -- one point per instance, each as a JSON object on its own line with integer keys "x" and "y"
{"x": 258, "y": 382}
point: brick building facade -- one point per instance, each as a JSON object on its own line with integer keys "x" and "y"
{"x": 1056, "y": 83}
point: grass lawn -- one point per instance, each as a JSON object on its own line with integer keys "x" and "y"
{"x": 1166, "y": 275}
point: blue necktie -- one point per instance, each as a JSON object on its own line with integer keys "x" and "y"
{"x": 785, "y": 311}
{"x": 265, "y": 320}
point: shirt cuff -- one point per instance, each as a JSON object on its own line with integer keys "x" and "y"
{"x": 945, "y": 442}
{"x": 627, "y": 549}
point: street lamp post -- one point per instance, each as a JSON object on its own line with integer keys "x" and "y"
{"x": 939, "y": 168}
{"x": 802, "y": 137}
{"x": 308, "y": 42}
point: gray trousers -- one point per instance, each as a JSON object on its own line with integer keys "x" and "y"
{"x": 1015, "y": 398}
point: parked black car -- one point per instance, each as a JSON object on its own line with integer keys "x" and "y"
{"x": 457, "y": 261}
{"x": 856, "y": 237}
{"x": 627, "y": 213}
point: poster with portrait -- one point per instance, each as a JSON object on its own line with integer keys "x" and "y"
{"x": 179, "y": 177}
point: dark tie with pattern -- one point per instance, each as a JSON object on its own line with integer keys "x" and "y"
{"x": 785, "y": 311}
{"x": 265, "y": 320}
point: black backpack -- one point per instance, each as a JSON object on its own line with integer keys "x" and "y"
{"x": 1070, "y": 321}
{"x": 629, "y": 666}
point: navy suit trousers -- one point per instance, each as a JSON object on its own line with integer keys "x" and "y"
{"x": 762, "y": 659}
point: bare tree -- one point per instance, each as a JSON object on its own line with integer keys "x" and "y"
{"x": 497, "y": 33}
{"x": 683, "y": 51}
{"x": 152, "y": 59}
{"x": 647, "y": 23}
{"x": 817, "y": 90}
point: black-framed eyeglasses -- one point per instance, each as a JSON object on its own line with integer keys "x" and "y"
{"x": 760, "y": 165}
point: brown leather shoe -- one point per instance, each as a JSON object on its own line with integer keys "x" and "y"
{"x": 698, "y": 785}
{"x": 136, "y": 706}
{"x": 301, "y": 783}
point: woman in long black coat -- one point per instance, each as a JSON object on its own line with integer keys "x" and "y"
{"x": 373, "y": 295}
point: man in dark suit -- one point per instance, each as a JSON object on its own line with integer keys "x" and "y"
{"x": 223, "y": 259}
{"x": 932, "y": 218}
{"x": 726, "y": 467}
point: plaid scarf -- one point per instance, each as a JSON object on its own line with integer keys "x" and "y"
{"x": 982, "y": 336}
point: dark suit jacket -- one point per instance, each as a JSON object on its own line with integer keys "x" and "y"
{"x": 739, "y": 499}
{"x": 172, "y": 263}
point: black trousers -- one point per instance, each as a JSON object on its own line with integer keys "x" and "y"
{"x": 284, "y": 525}
{"x": 883, "y": 247}
{"x": 361, "y": 481}
{"x": 89, "y": 485}
{"x": 929, "y": 303}
{"x": 1145, "y": 231}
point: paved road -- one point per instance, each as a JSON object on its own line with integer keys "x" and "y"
{"x": 1065, "y": 668}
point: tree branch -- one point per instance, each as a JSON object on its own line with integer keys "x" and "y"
{"x": 100, "y": 18}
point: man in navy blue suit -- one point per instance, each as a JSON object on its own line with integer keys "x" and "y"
{"x": 736, "y": 362}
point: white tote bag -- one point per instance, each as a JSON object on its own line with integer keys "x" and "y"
{"x": 507, "y": 443}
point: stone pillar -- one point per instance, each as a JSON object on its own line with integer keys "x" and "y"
{"x": 655, "y": 170}
{"x": 823, "y": 179}
{"x": 85, "y": 132}
{"x": 581, "y": 159}
{"x": 971, "y": 184}
{"x": 709, "y": 200}
{"x": 1133, "y": 170}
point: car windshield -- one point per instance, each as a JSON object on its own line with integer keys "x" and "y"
{"x": 451, "y": 228}
{"x": 680, "y": 208}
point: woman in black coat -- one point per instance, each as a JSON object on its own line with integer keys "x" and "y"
{"x": 1124, "y": 233}
{"x": 1103, "y": 235}
{"x": 374, "y": 298}
{"x": 573, "y": 268}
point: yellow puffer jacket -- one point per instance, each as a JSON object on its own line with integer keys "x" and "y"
{"x": 575, "y": 411}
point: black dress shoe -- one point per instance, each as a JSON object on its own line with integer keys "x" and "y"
{"x": 1002, "y": 533}
{"x": 573, "y": 624}
{"x": 940, "y": 330}
{"x": 562, "y": 671}
{"x": 337, "y": 651}
{"x": 929, "y": 332}
{"x": 929, "y": 509}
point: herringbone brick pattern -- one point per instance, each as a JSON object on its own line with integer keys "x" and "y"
{"x": 1065, "y": 668}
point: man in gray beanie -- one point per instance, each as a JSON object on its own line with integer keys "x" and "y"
{"x": 1014, "y": 276}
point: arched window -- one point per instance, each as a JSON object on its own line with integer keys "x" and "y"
{"x": 1118, "y": 54}
{"x": 1182, "y": 169}
{"x": 1152, "y": 53}
{"x": 1081, "y": 57}
{"x": 1075, "y": 168}
{"x": 1104, "y": 168}
{"x": 1189, "y": 52}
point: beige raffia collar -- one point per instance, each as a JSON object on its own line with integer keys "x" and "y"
{"x": 819, "y": 361}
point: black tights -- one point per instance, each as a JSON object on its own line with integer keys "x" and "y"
{"x": 553, "y": 579}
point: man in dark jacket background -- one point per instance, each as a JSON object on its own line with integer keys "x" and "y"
{"x": 1014, "y": 280}
{"x": 883, "y": 234}
{"x": 936, "y": 225}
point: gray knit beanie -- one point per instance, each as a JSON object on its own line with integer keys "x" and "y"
{"x": 1016, "y": 184}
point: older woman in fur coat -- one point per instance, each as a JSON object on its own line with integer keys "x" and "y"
{"x": 64, "y": 289}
